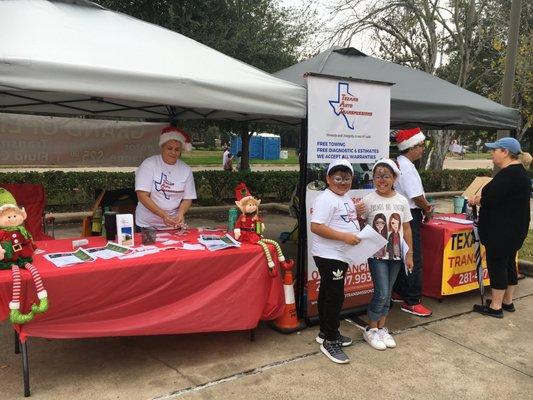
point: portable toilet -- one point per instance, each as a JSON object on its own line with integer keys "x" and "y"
{"x": 263, "y": 146}
{"x": 271, "y": 146}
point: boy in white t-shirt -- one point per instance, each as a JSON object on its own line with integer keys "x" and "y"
{"x": 334, "y": 225}
{"x": 389, "y": 214}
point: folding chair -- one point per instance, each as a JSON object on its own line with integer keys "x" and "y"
{"x": 32, "y": 197}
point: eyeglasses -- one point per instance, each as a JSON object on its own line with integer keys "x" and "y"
{"x": 383, "y": 177}
{"x": 421, "y": 145}
{"x": 339, "y": 179}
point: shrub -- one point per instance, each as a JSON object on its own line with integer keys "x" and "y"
{"x": 74, "y": 191}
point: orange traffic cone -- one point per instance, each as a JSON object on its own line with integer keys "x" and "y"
{"x": 288, "y": 322}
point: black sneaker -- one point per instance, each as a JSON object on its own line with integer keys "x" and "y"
{"x": 333, "y": 351}
{"x": 506, "y": 307}
{"x": 345, "y": 340}
{"x": 485, "y": 310}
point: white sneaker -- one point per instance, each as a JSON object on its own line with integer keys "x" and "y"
{"x": 387, "y": 338}
{"x": 373, "y": 338}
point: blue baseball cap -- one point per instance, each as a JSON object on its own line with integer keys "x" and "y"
{"x": 507, "y": 143}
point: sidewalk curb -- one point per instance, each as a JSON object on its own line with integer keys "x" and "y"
{"x": 526, "y": 267}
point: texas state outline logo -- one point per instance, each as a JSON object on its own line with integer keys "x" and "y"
{"x": 345, "y": 105}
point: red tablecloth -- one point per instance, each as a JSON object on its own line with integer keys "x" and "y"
{"x": 449, "y": 265}
{"x": 176, "y": 291}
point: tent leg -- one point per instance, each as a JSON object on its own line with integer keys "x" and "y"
{"x": 17, "y": 342}
{"x": 25, "y": 370}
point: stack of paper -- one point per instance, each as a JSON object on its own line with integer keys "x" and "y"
{"x": 218, "y": 242}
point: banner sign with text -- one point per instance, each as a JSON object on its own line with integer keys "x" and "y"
{"x": 346, "y": 119}
{"x": 46, "y": 141}
{"x": 459, "y": 264}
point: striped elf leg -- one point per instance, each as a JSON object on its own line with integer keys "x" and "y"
{"x": 271, "y": 266}
{"x": 15, "y": 315}
{"x": 264, "y": 246}
{"x": 41, "y": 293}
{"x": 281, "y": 257}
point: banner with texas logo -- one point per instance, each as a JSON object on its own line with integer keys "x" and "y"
{"x": 346, "y": 119}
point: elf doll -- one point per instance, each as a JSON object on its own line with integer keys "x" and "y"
{"x": 249, "y": 228}
{"x": 17, "y": 251}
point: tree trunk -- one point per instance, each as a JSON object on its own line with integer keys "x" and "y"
{"x": 245, "y": 140}
{"x": 441, "y": 141}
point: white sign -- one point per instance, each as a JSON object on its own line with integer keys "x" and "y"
{"x": 347, "y": 119}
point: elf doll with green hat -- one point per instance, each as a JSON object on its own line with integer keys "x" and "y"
{"x": 16, "y": 251}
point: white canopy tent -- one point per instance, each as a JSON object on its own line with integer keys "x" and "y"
{"x": 74, "y": 57}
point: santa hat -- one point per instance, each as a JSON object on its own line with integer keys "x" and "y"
{"x": 173, "y": 133}
{"x": 408, "y": 138}
{"x": 7, "y": 200}
{"x": 241, "y": 191}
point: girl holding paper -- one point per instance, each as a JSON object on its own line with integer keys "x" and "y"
{"x": 385, "y": 264}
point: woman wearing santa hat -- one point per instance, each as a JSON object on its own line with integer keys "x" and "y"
{"x": 165, "y": 184}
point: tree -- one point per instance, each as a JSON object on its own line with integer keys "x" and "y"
{"x": 257, "y": 32}
{"x": 211, "y": 134}
{"x": 423, "y": 34}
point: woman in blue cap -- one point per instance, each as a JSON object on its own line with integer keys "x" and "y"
{"x": 503, "y": 223}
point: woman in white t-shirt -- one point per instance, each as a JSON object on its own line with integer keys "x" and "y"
{"x": 385, "y": 208}
{"x": 165, "y": 184}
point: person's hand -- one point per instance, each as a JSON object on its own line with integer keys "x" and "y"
{"x": 170, "y": 221}
{"x": 409, "y": 261}
{"x": 2, "y": 253}
{"x": 350, "y": 238}
{"x": 180, "y": 220}
{"x": 474, "y": 200}
{"x": 360, "y": 208}
{"x": 428, "y": 214}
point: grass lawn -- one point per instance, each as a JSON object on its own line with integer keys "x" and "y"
{"x": 214, "y": 157}
{"x": 526, "y": 252}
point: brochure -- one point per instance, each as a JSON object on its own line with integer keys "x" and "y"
{"x": 125, "y": 230}
{"x": 66, "y": 259}
{"x": 110, "y": 250}
{"x": 218, "y": 242}
{"x": 371, "y": 241}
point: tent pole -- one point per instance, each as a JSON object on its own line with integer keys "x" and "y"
{"x": 301, "y": 272}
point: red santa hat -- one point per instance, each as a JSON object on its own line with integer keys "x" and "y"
{"x": 173, "y": 133}
{"x": 241, "y": 191}
{"x": 408, "y": 138}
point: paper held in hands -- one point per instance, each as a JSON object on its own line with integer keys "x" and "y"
{"x": 371, "y": 242}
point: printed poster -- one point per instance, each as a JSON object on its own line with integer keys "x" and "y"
{"x": 347, "y": 119}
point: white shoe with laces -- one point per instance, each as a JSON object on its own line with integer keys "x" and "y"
{"x": 387, "y": 338}
{"x": 373, "y": 338}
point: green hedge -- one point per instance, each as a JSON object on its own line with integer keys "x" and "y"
{"x": 74, "y": 191}
{"x": 451, "y": 179}
{"x": 69, "y": 191}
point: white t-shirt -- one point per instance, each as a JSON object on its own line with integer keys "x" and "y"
{"x": 337, "y": 212}
{"x": 225, "y": 158}
{"x": 167, "y": 184}
{"x": 386, "y": 215}
{"x": 409, "y": 184}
